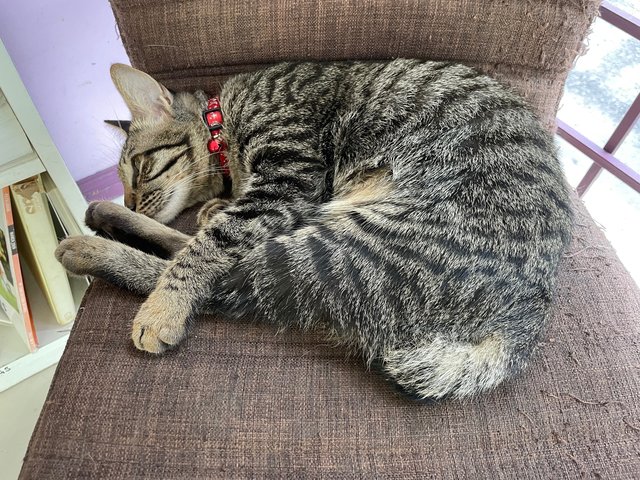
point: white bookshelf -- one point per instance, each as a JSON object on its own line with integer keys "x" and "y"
{"x": 26, "y": 149}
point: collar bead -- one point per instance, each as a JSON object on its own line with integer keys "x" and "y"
{"x": 213, "y": 119}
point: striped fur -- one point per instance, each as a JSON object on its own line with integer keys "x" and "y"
{"x": 414, "y": 210}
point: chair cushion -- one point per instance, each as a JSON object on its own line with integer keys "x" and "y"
{"x": 192, "y": 44}
{"x": 239, "y": 400}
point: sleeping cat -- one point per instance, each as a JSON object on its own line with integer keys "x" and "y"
{"x": 414, "y": 210}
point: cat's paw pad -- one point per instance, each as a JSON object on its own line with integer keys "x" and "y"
{"x": 155, "y": 331}
{"x": 82, "y": 255}
{"x": 102, "y": 216}
{"x": 210, "y": 209}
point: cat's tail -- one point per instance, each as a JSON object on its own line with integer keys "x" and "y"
{"x": 448, "y": 368}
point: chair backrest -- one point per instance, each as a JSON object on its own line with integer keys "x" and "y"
{"x": 530, "y": 45}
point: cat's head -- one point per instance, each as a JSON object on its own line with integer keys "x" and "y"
{"x": 165, "y": 165}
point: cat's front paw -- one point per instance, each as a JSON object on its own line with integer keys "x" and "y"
{"x": 83, "y": 255}
{"x": 210, "y": 209}
{"x": 103, "y": 216}
{"x": 158, "y": 326}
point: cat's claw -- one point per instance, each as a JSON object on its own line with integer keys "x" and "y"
{"x": 156, "y": 327}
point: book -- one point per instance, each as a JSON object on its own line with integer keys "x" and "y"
{"x": 12, "y": 290}
{"x": 37, "y": 238}
{"x": 8, "y": 297}
{"x": 62, "y": 232}
{"x": 61, "y": 210}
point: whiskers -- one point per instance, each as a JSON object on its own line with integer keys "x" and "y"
{"x": 198, "y": 178}
{"x": 110, "y": 148}
{"x": 117, "y": 137}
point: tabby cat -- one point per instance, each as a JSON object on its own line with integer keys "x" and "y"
{"x": 414, "y": 210}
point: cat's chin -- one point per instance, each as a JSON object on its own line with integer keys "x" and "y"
{"x": 176, "y": 203}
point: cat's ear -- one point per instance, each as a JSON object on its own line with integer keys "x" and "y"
{"x": 145, "y": 97}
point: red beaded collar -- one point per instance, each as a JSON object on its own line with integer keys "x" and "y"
{"x": 213, "y": 120}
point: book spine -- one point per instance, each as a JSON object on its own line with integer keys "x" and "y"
{"x": 24, "y": 306}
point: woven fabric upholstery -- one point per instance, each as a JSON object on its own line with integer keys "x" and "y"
{"x": 237, "y": 400}
{"x": 529, "y": 44}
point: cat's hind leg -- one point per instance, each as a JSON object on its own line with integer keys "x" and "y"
{"x": 134, "y": 229}
{"x": 112, "y": 261}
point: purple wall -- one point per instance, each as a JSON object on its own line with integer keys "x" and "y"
{"x": 62, "y": 50}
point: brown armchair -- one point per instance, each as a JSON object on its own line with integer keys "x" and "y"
{"x": 238, "y": 400}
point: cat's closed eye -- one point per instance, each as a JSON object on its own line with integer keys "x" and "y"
{"x": 168, "y": 165}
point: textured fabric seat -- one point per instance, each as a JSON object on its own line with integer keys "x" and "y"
{"x": 239, "y": 400}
